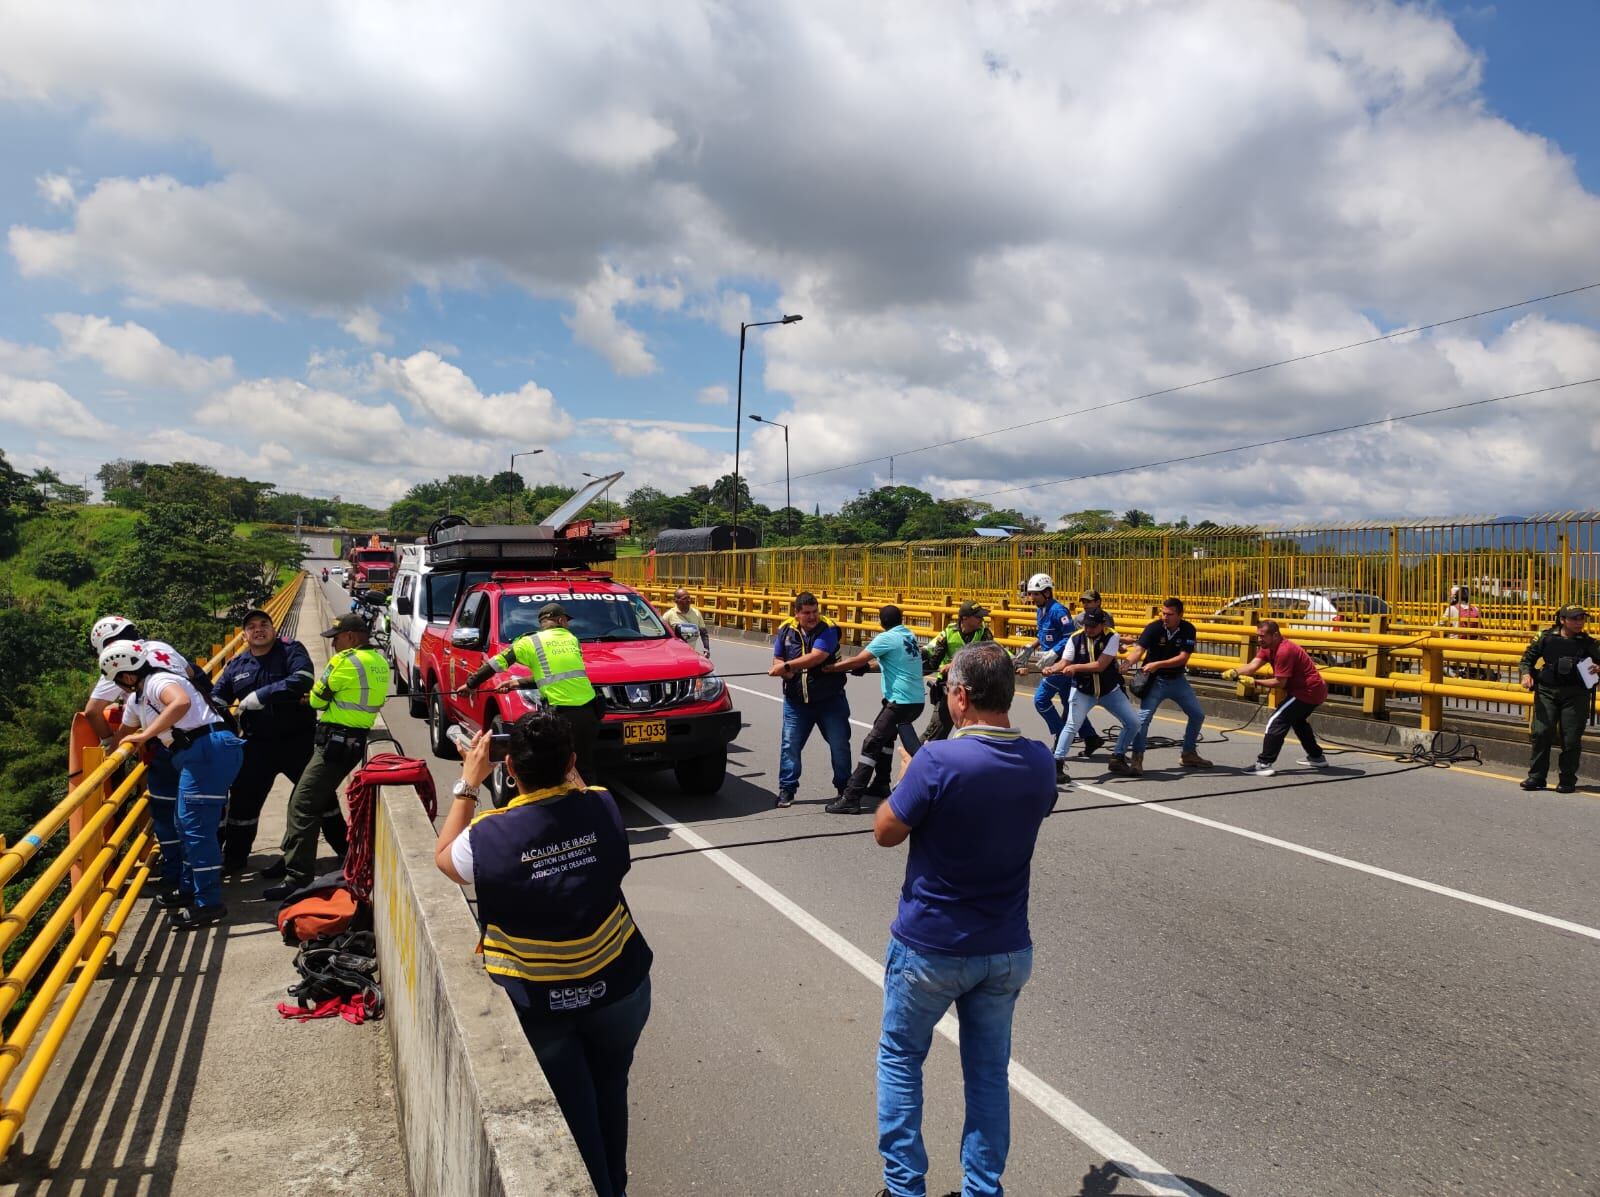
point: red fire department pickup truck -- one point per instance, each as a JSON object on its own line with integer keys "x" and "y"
{"x": 664, "y": 704}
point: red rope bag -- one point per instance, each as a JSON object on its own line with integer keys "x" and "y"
{"x": 385, "y": 769}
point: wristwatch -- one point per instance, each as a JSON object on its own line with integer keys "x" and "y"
{"x": 462, "y": 790}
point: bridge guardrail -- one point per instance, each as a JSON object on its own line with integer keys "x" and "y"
{"x": 1372, "y": 660}
{"x": 107, "y": 873}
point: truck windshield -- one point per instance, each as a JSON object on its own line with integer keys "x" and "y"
{"x": 594, "y": 616}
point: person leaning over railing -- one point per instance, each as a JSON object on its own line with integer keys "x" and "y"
{"x": 558, "y": 936}
{"x": 167, "y": 708}
{"x": 1553, "y": 668}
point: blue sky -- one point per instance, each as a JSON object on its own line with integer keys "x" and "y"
{"x": 337, "y": 257}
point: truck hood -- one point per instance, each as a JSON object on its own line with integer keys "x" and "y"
{"x": 612, "y": 662}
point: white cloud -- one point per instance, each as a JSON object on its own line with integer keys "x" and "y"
{"x": 442, "y": 391}
{"x": 987, "y": 214}
{"x": 614, "y": 422}
{"x": 24, "y": 359}
{"x": 133, "y": 353}
{"x": 366, "y": 326}
{"x": 57, "y": 190}
{"x": 713, "y": 395}
{"x": 43, "y": 406}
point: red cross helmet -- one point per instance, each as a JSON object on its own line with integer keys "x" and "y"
{"x": 107, "y": 627}
{"x": 1039, "y": 583}
{"x": 125, "y": 656}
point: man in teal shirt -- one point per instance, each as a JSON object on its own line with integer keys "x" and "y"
{"x": 898, "y": 654}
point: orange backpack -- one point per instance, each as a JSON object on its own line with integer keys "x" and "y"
{"x": 326, "y": 911}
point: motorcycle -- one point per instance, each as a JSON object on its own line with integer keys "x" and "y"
{"x": 324, "y": 573}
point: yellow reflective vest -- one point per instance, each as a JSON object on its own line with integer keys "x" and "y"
{"x": 352, "y": 689}
{"x": 555, "y": 659}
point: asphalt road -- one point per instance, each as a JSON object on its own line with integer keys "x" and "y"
{"x": 1378, "y": 978}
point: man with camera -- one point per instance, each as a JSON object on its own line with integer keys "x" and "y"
{"x": 348, "y": 698}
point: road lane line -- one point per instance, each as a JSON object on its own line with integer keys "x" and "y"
{"x": 1533, "y": 916}
{"x": 778, "y": 698}
{"x": 1071, "y": 1117}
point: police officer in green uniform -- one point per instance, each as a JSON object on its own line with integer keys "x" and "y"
{"x": 347, "y": 698}
{"x": 970, "y": 627}
{"x": 554, "y": 659}
{"x": 1550, "y": 668}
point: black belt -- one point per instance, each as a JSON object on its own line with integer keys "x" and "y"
{"x": 186, "y": 738}
{"x": 338, "y": 733}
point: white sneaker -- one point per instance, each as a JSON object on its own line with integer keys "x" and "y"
{"x": 1316, "y": 762}
{"x": 1262, "y": 769}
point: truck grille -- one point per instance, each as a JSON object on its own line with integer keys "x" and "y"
{"x": 647, "y": 696}
{"x": 377, "y": 575}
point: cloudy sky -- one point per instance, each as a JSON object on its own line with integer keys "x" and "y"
{"x": 349, "y": 247}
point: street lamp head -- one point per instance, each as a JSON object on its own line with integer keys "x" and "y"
{"x": 792, "y": 319}
{"x": 758, "y": 419}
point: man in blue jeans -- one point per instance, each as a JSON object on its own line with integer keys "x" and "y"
{"x": 805, "y": 643}
{"x": 972, "y": 806}
{"x": 1163, "y": 652}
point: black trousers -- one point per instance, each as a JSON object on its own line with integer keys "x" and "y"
{"x": 1291, "y": 713}
{"x": 265, "y": 759}
{"x": 939, "y": 724}
{"x": 584, "y": 723}
{"x": 1559, "y": 712}
{"x": 877, "y": 750}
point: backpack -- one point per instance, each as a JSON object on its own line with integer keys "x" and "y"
{"x": 316, "y": 912}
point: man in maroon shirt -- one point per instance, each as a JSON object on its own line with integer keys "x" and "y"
{"x": 1296, "y": 674}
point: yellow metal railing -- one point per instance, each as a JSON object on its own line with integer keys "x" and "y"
{"x": 1518, "y": 572}
{"x": 107, "y": 869}
{"x": 1369, "y": 658}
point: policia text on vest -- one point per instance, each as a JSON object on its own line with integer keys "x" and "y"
{"x": 553, "y": 657}
{"x": 347, "y": 698}
{"x": 1553, "y": 668}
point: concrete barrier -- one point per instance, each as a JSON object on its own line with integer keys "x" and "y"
{"x": 476, "y": 1114}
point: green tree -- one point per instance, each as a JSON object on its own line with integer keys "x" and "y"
{"x": 1134, "y": 518}
{"x": 1093, "y": 519}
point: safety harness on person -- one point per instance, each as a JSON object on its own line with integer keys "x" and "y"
{"x": 557, "y": 933}
{"x": 352, "y": 689}
{"x": 145, "y": 705}
{"x": 554, "y": 659}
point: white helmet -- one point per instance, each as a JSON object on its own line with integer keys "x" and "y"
{"x": 125, "y": 656}
{"x": 107, "y": 627}
{"x": 1039, "y": 583}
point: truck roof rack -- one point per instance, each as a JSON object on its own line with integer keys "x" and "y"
{"x": 560, "y": 542}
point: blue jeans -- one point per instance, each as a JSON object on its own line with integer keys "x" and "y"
{"x": 1044, "y": 701}
{"x": 205, "y": 771}
{"x": 1115, "y": 701}
{"x": 918, "y": 987}
{"x": 832, "y": 716}
{"x": 586, "y": 1057}
{"x": 1168, "y": 686}
{"x": 161, "y": 776}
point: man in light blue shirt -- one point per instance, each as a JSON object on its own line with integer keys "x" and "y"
{"x": 898, "y": 654}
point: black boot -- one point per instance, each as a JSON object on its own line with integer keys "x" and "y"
{"x": 845, "y": 804}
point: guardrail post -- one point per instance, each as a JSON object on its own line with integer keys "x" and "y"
{"x": 92, "y": 758}
{"x": 1374, "y": 700}
{"x": 1247, "y": 652}
{"x": 1432, "y": 703}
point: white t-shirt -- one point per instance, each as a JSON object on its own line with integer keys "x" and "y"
{"x": 144, "y": 706}
{"x": 106, "y": 690}
{"x": 461, "y": 854}
{"x": 689, "y": 625}
{"x": 1112, "y": 647}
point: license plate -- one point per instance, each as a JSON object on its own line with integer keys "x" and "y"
{"x": 644, "y": 731}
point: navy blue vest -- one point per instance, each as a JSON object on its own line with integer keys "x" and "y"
{"x": 557, "y": 932}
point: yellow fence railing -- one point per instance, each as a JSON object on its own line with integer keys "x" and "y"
{"x": 1372, "y": 658}
{"x": 105, "y": 863}
{"x": 1518, "y": 571}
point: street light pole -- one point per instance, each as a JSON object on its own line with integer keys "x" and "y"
{"x": 605, "y": 492}
{"x": 738, "y": 409}
{"x": 511, "y": 494}
{"x": 788, "y": 503}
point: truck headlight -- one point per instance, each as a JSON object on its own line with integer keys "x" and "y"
{"x": 709, "y": 688}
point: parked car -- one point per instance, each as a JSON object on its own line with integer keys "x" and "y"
{"x": 413, "y": 605}
{"x": 665, "y": 706}
{"x": 1313, "y": 610}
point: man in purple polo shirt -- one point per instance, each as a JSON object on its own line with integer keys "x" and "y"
{"x": 972, "y": 806}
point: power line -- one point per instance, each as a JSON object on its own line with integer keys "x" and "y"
{"x": 1283, "y": 440}
{"x": 1287, "y": 361}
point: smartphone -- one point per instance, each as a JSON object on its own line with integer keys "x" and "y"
{"x": 499, "y": 745}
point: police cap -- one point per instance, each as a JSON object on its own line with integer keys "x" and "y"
{"x": 553, "y": 611}
{"x": 347, "y": 623}
{"x": 255, "y": 613}
{"x": 1572, "y": 611}
{"x": 970, "y": 608}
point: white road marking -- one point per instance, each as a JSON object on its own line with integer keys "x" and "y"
{"x": 779, "y": 698}
{"x": 1445, "y": 891}
{"x": 1533, "y": 916}
{"x": 1070, "y": 1116}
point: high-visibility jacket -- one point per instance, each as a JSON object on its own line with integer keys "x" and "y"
{"x": 949, "y": 642}
{"x": 352, "y": 689}
{"x": 554, "y": 657}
